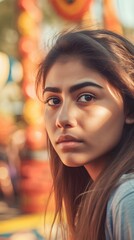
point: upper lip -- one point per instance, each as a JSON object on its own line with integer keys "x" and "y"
{"x": 67, "y": 138}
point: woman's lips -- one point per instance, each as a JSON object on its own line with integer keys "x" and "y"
{"x": 67, "y": 138}
{"x": 68, "y": 142}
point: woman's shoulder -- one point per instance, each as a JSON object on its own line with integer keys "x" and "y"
{"x": 124, "y": 190}
{"x": 120, "y": 210}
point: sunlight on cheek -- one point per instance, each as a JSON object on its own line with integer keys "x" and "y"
{"x": 100, "y": 118}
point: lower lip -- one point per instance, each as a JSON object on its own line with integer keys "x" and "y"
{"x": 66, "y": 146}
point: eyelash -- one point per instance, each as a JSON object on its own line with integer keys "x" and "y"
{"x": 51, "y": 98}
{"x": 89, "y": 95}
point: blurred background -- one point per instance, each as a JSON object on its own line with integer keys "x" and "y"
{"x": 27, "y": 29}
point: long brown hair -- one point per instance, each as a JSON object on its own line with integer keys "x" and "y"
{"x": 85, "y": 201}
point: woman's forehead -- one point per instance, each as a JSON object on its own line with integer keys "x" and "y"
{"x": 72, "y": 71}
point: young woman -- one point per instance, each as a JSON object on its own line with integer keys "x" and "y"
{"x": 87, "y": 85}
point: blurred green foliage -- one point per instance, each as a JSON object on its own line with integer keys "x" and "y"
{"x": 8, "y": 27}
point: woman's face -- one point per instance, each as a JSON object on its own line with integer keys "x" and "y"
{"x": 84, "y": 114}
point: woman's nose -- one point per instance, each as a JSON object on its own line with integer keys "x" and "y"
{"x": 66, "y": 117}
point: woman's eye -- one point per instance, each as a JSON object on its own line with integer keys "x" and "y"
{"x": 86, "y": 98}
{"x": 53, "y": 101}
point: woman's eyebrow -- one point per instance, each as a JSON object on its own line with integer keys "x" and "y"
{"x": 72, "y": 88}
{"x": 82, "y": 85}
{"x": 52, "y": 89}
